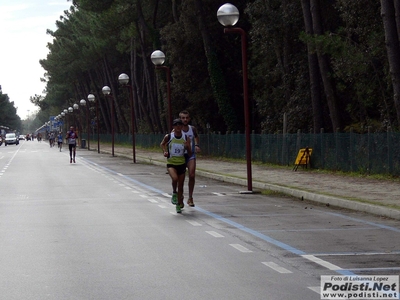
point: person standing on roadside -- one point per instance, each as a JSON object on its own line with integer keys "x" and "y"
{"x": 191, "y": 132}
{"x": 71, "y": 137}
{"x": 174, "y": 146}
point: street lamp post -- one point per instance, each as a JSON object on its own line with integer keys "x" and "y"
{"x": 228, "y": 15}
{"x": 55, "y": 122}
{"x": 65, "y": 111}
{"x": 83, "y": 103}
{"x": 76, "y": 107}
{"x": 92, "y": 98}
{"x": 107, "y": 92}
{"x": 124, "y": 80}
{"x": 63, "y": 120}
{"x": 70, "y": 111}
{"x": 59, "y": 120}
{"x": 158, "y": 58}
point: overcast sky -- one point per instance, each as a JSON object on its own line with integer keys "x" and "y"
{"x": 23, "y": 25}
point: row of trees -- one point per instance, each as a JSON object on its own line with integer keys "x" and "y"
{"x": 8, "y": 114}
{"x": 331, "y": 64}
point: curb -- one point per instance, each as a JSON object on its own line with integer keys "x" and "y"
{"x": 314, "y": 197}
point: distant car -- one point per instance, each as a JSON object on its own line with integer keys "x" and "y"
{"x": 21, "y": 137}
{"x": 11, "y": 138}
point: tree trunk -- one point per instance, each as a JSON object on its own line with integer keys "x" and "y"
{"x": 315, "y": 87}
{"x": 324, "y": 67}
{"x": 392, "y": 48}
{"x": 287, "y": 49}
{"x": 397, "y": 14}
{"x": 141, "y": 111}
{"x": 103, "y": 105}
{"x": 216, "y": 75}
{"x": 121, "y": 124}
{"x": 154, "y": 110}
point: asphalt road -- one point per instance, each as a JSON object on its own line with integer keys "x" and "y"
{"x": 104, "y": 228}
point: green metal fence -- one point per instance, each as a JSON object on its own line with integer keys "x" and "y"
{"x": 372, "y": 153}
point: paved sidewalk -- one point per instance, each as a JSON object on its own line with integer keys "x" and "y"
{"x": 380, "y": 197}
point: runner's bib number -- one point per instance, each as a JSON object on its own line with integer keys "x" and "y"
{"x": 177, "y": 150}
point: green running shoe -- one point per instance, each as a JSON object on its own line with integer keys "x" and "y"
{"x": 178, "y": 209}
{"x": 174, "y": 199}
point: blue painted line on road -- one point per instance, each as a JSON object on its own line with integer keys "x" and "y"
{"x": 345, "y": 272}
{"x": 376, "y": 269}
{"x": 149, "y": 187}
{"x": 225, "y": 220}
{"x": 365, "y": 222}
{"x": 253, "y": 232}
{"x": 317, "y": 230}
{"x": 266, "y": 238}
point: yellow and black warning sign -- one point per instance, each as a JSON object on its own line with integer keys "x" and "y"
{"x": 303, "y": 158}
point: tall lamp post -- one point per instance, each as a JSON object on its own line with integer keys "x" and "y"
{"x": 228, "y": 16}
{"x": 107, "y": 92}
{"x": 123, "y": 80}
{"x": 70, "y": 111}
{"x": 63, "y": 120}
{"x": 54, "y": 126}
{"x": 83, "y": 103}
{"x": 92, "y": 98}
{"x": 59, "y": 122}
{"x": 67, "y": 121}
{"x": 76, "y": 107}
{"x": 158, "y": 58}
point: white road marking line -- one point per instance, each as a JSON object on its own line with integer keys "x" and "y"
{"x": 162, "y": 206}
{"x": 120, "y": 174}
{"x": 321, "y": 262}
{"x": 240, "y": 248}
{"x": 194, "y": 223}
{"x": 316, "y": 289}
{"x": 166, "y": 195}
{"x": 175, "y": 213}
{"x": 136, "y": 192}
{"x": 219, "y": 194}
{"x": 144, "y": 196}
{"x": 277, "y": 267}
{"x": 128, "y": 188}
{"x": 215, "y": 234}
{"x": 121, "y": 184}
{"x": 153, "y": 201}
{"x": 357, "y": 253}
